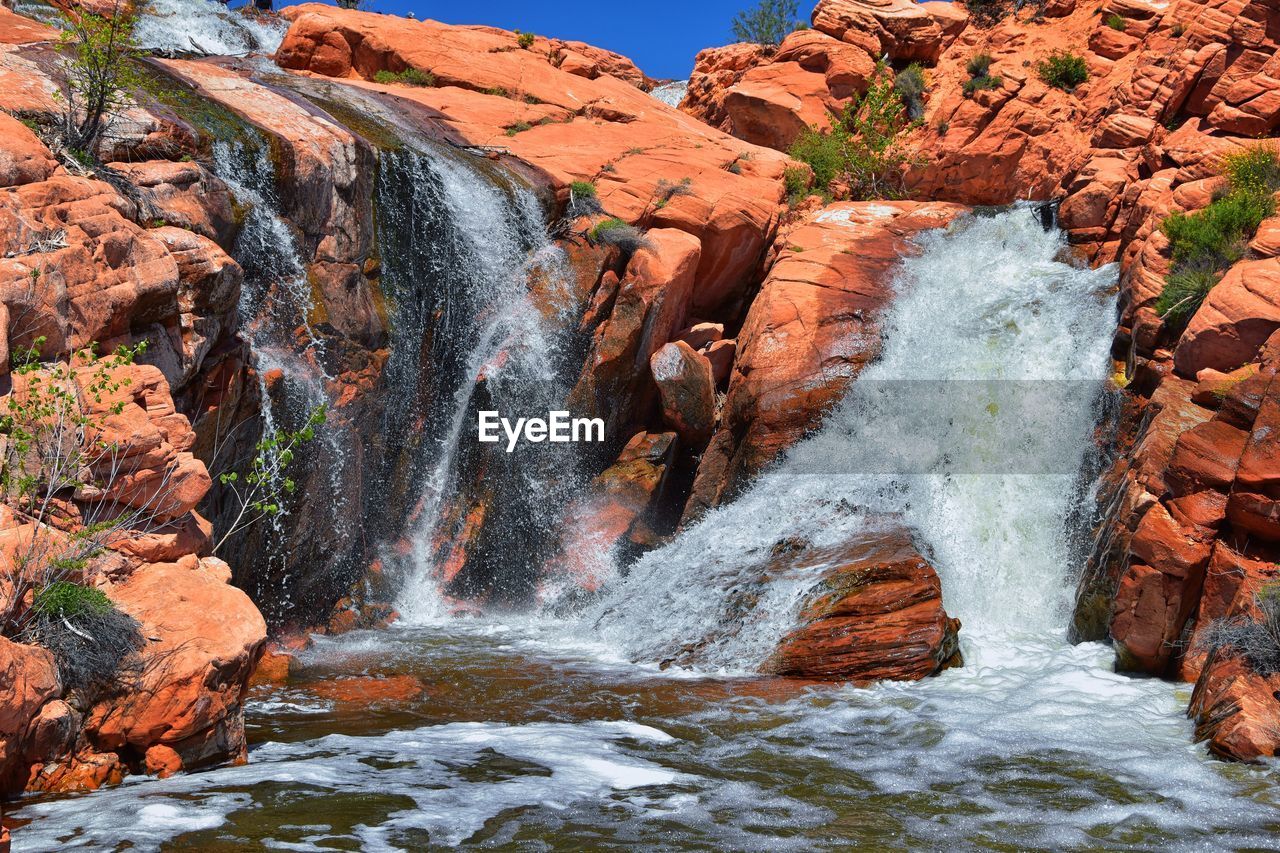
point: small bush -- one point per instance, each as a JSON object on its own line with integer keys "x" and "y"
{"x": 496, "y": 91}
{"x": 1063, "y": 70}
{"x": 407, "y": 77}
{"x": 863, "y": 148}
{"x": 1183, "y": 292}
{"x": 1204, "y": 243}
{"x": 986, "y": 13}
{"x": 525, "y": 40}
{"x": 909, "y": 86}
{"x": 582, "y": 199}
{"x": 90, "y": 640}
{"x": 615, "y": 232}
{"x": 1254, "y": 170}
{"x": 1178, "y": 29}
{"x": 978, "y": 65}
{"x": 1116, "y": 22}
{"x": 796, "y": 179}
{"x": 1256, "y": 640}
{"x": 768, "y": 23}
{"x": 519, "y": 127}
{"x": 978, "y": 84}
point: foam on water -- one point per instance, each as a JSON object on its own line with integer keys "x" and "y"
{"x": 206, "y": 27}
{"x": 561, "y": 764}
{"x": 672, "y": 93}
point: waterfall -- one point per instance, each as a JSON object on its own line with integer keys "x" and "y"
{"x": 483, "y": 313}
{"x": 207, "y": 27}
{"x": 288, "y": 357}
{"x": 971, "y": 429}
{"x": 671, "y": 93}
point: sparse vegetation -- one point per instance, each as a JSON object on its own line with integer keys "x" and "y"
{"x": 91, "y": 641}
{"x": 986, "y": 13}
{"x": 583, "y": 200}
{"x": 1116, "y": 22}
{"x": 1256, "y": 639}
{"x": 909, "y": 84}
{"x": 863, "y": 149}
{"x": 667, "y": 190}
{"x": 979, "y": 65}
{"x": 519, "y": 127}
{"x": 525, "y": 40}
{"x": 1178, "y": 29}
{"x": 407, "y": 77}
{"x": 1063, "y": 70}
{"x": 768, "y": 23}
{"x": 497, "y": 92}
{"x": 796, "y": 179}
{"x": 979, "y": 84}
{"x": 1205, "y": 243}
{"x": 616, "y": 232}
{"x": 97, "y": 75}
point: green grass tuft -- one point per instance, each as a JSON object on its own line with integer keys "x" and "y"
{"x": 407, "y": 77}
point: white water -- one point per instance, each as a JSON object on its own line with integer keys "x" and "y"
{"x": 672, "y": 93}
{"x": 206, "y": 27}
{"x": 495, "y": 331}
{"x": 992, "y": 357}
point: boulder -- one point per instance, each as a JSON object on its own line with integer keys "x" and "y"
{"x": 903, "y": 29}
{"x": 876, "y": 614}
{"x": 1236, "y": 318}
{"x": 1235, "y": 709}
{"x": 687, "y": 388}
{"x": 28, "y": 680}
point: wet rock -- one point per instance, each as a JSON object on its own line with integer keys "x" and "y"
{"x": 812, "y": 328}
{"x": 875, "y": 615}
{"x": 617, "y": 514}
{"x": 1235, "y": 709}
{"x": 370, "y": 690}
{"x": 28, "y": 679}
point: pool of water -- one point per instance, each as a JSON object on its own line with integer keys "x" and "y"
{"x": 526, "y": 736}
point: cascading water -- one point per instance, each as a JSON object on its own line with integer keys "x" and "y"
{"x": 288, "y": 356}
{"x": 461, "y": 250}
{"x": 970, "y": 429}
{"x": 538, "y": 733}
{"x": 671, "y": 93}
{"x": 207, "y": 27}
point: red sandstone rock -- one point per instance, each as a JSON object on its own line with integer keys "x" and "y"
{"x": 28, "y": 679}
{"x": 903, "y": 29}
{"x": 1236, "y": 710}
{"x": 876, "y": 615}
{"x": 1236, "y": 318}
{"x": 812, "y": 328}
{"x": 687, "y": 387}
{"x": 617, "y": 512}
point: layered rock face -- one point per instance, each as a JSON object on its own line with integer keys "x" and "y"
{"x": 179, "y": 704}
{"x": 85, "y": 261}
{"x": 876, "y": 614}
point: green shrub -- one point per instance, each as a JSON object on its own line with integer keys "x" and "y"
{"x": 1256, "y": 169}
{"x": 525, "y": 40}
{"x": 978, "y": 65}
{"x": 863, "y": 149}
{"x": 1116, "y": 22}
{"x": 1178, "y": 29}
{"x": 583, "y": 200}
{"x": 909, "y": 85}
{"x": 1204, "y": 243}
{"x": 66, "y": 600}
{"x": 519, "y": 127}
{"x": 978, "y": 84}
{"x": 496, "y": 91}
{"x": 768, "y": 23}
{"x": 407, "y": 77}
{"x": 616, "y": 232}
{"x": 1183, "y": 292}
{"x": 1063, "y": 70}
{"x": 796, "y": 179}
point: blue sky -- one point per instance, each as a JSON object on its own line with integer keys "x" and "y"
{"x": 662, "y": 36}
